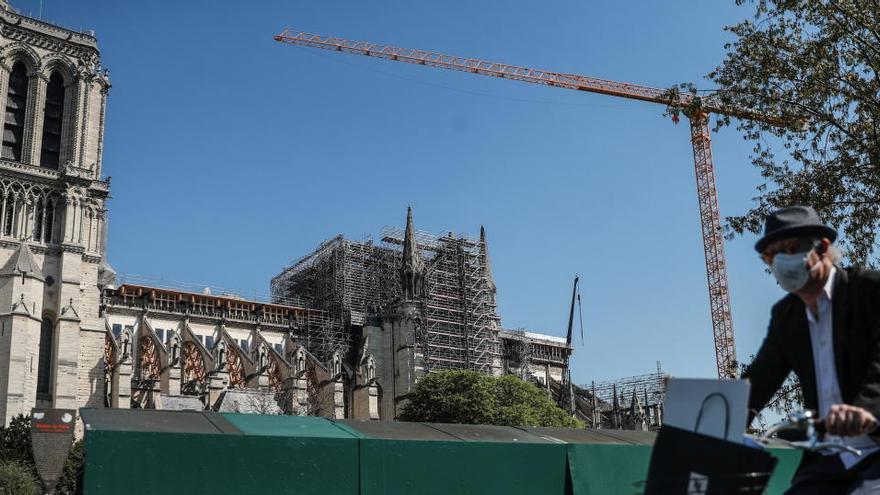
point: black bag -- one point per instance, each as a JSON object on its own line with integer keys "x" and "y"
{"x": 686, "y": 462}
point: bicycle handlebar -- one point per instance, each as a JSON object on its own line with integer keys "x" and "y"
{"x": 810, "y": 423}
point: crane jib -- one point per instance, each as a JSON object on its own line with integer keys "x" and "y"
{"x": 695, "y": 107}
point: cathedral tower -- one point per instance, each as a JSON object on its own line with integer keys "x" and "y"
{"x": 52, "y": 216}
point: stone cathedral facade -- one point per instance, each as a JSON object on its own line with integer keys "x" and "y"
{"x": 52, "y": 216}
{"x": 70, "y": 337}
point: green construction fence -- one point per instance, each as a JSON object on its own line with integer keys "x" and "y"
{"x": 135, "y": 452}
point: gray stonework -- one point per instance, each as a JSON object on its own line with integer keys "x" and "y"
{"x": 393, "y": 345}
{"x": 53, "y": 218}
{"x": 202, "y": 346}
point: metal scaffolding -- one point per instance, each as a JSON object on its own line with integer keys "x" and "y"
{"x": 345, "y": 279}
{"x": 651, "y": 388}
{"x": 615, "y": 398}
{"x": 460, "y": 310}
{"x": 354, "y": 279}
{"x": 517, "y": 352}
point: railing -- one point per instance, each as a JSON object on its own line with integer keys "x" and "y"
{"x": 26, "y": 21}
{"x": 210, "y": 290}
{"x": 183, "y": 307}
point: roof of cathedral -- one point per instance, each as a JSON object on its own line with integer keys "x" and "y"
{"x": 22, "y": 262}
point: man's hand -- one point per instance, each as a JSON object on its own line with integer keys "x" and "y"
{"x": 845, "y": 420}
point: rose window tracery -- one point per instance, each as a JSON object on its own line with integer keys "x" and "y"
{"x": 195, "y": 374}
{"x": 235, "y": 368}
{"x": 149, "y": 361}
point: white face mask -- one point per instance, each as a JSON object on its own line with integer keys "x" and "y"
{"x": 791, "y": 270}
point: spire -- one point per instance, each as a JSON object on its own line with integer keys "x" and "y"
{"x": 411, "y": 257}
{"x": 412, "y": 271}
{"x": 22, "y": 263}
{"x": 635, "y": 405}
{"x": 487, "y": 262}
{"x": 637, "y": 414}
{"x": 596, "y": 419}
{"x": 615, "y": 407}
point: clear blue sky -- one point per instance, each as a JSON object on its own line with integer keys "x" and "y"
{"x": 231, "y": 155}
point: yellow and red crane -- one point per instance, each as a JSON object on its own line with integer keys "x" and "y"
{"x": 696, "y": 108}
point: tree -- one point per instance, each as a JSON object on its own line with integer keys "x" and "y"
{"x": 471, "y": 397}
{"x": 787, "y": 399}
{"x": 257, "y": 402}
{"x": 15, "y": 441}
{"x": 18, "y": 478}
{"x": 814, "y": 63}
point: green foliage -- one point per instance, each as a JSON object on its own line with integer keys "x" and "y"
{"x": 18, "y": 478}
{"x": 452, "y": 397}
{"x": 15, "y": 441}
{"x": 788, "y": 399}
{"x": 815, "y": 65}
{"x": 476, "y": 398}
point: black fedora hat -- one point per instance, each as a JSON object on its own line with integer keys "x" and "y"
{"x": 794, "y": 221}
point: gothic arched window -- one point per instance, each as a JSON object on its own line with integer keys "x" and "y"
{"x": 9, "y": 212}
{"x": 38, "y": 220}
{"x": 50, "y": 155}
{"x": 16, "y": 104}
{"x": 44, "y": 366}
{"x": 48, "y": 221}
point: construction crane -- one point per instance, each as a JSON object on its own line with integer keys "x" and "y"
{"x": 696, "y": 108}
{"x": 568, "y": 400}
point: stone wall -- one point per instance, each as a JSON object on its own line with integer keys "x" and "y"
{"x": 58, "y": 281}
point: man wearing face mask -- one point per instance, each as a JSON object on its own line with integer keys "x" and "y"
{"x": 826, "y": 330}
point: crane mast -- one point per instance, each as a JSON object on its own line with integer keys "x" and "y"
{"x": 697, "y": 109}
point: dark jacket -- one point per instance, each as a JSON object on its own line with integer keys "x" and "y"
{"x": 855, "y": 302}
